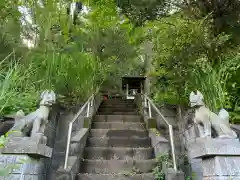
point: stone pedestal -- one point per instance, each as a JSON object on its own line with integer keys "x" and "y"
{"x": 195, "y": 164}
{"x": 170, "y": 174}
{"x": 25, "y": 156}
{"x": 220, "y": 158}
{"x": 24, "y": 167}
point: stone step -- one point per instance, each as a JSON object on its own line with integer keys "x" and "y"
{"x": 118, "y": 153}
{"x": 119, "y": 142}
{"x": 117, "y": 120}
{"x": 117, "y": 113}
{"x": 118, "y": 101}
{"x": 120, "y": 118}
{"x": 116, "y": 166}
{"x": 118, "y": 125}
{"x": 112, "y": 109}
{"x": 117, "y": 108}
{"x": 123, "y": 176}
{"x": 118, "y": 105}
{"x": 118, "y": 133}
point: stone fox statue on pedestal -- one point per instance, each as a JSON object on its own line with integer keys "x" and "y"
{"x": 36, "y": 121}
{"x": 205, "y": 119}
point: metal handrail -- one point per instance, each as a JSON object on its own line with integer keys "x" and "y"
{"x": 148, "y": 103}
{"x": 87, "y": 104}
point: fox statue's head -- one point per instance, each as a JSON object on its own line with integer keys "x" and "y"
{"x": 48, "y": 98}
{"x": 196, "y": 99}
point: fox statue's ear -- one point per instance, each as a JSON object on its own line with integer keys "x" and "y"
{"x": 42, "y": 94}
{"x": 53, "y": 95}
{"x": 192, "y": 95}
{"x": 200, "y": 95}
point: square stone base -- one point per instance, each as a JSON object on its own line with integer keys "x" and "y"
{"x": 26, "y": 146}
{"x": 204, "y": 147}
{"x": 220, "y": 158}
{"x": 222, "y": 178}
{"x": 170, "y": 174}
{"x": 221, "y": 166}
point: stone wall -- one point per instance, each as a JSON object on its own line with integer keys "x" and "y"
{"x": 51, "y": 133}
{"x": 78, "y": 144}
{"x": 191, "y": 167}
{"x": 59, "y": 145}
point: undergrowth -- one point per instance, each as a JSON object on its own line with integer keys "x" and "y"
{"x": 164, "y": 162}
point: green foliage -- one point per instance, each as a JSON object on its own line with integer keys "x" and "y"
{"x": 193, "y": 48}
{"x": 224, "y": 14}
{"x": 205, "y": 76}
{"x": 158, "y": 171}
{"x": 188, "y": 57}
{"x": 72, "y": 60}
{"x": 192, "y": 177}
{"x": 139, "y": 11}
{"x": 175, "y": 47}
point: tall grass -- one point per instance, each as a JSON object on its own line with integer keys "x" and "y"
{"x": 212, "y": 82}
{"x": 208, "y": 82}
{"x": 21, "y": 81}
{"x": 15, "y": 93}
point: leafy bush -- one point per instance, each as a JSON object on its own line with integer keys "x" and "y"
{"x": 68, "y": 59}
{"x": 158, "y": 171}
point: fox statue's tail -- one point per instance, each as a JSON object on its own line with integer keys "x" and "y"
{"x": 224, "y": 115}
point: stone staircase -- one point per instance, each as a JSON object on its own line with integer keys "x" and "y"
{"x": 118, "y": 146}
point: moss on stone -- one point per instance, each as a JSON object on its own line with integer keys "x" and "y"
{"x": 87, "y": 123}
{"x": 151, "y": 123}
{"x": 155, "y": 131}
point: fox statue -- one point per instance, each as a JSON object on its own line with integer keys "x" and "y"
{"x": 206, "y": 119}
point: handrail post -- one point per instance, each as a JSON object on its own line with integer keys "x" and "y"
{"x": 172, "y": 147}
{"x": 68, "y": 144}
{"x": 149, "y": 110}
{"x": 88, "y": 109}
{"x": 145, "y": 101}
{"x": 92, "y": 102}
